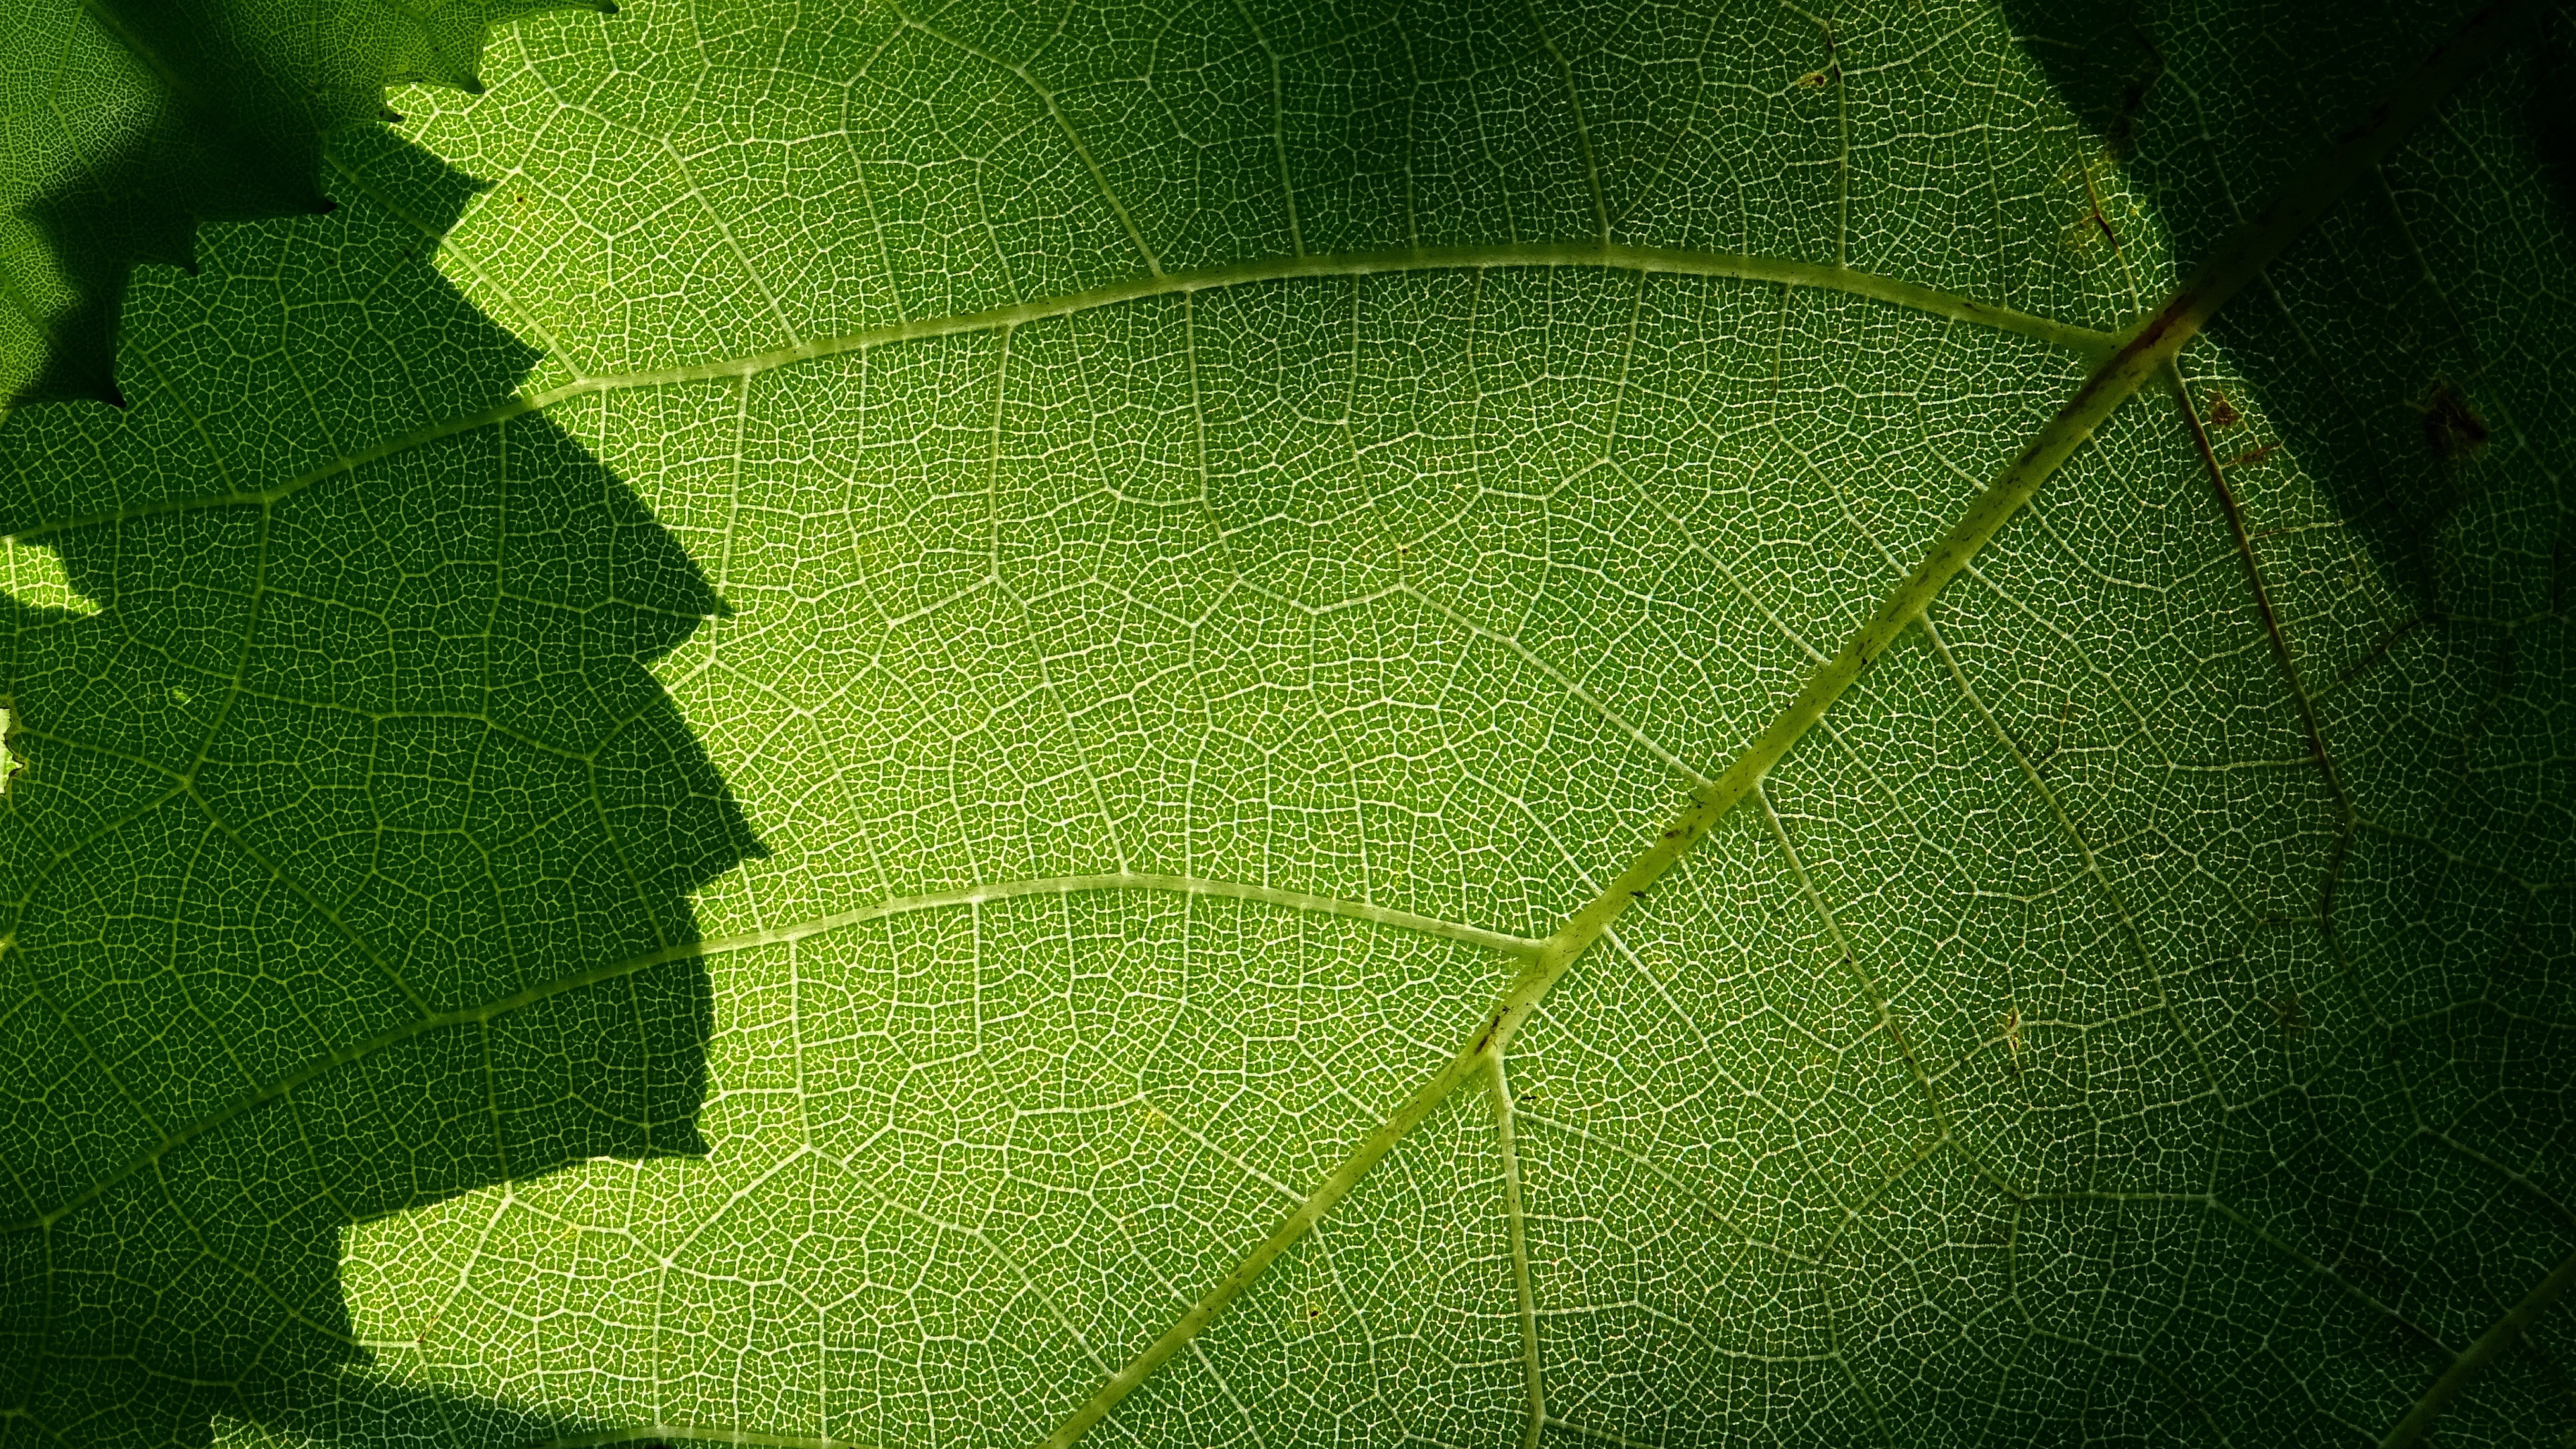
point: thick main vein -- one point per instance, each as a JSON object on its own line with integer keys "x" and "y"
{"x": 976, "y": 895}
{"x": 1662, "y": 261}
{"x": 2146, "y": 351}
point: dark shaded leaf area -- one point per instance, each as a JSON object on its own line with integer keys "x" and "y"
{"x": 129, "y": 123}
{"x": 320, "y": 769}
{"x": 1234, "y": 520}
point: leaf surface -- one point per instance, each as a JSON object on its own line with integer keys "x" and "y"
{"x": 899, "y": 728}
{"x": 129, "y": 122}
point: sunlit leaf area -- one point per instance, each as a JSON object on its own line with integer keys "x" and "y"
{"x": 1266, "y": 723}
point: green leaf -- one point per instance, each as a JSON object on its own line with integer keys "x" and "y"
{"x": 1255, "y": 725}
{"x": 129, "y": 122}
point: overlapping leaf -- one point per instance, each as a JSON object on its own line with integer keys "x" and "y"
{"x": 1193, "y": 537}
{"x": 129, "y": 122}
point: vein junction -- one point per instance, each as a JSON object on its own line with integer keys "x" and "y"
{"x": 2145, "y": 353}
{"x": 1558, "y": 951}
{"x": 2122, "y": 366}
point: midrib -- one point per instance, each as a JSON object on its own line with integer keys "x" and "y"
{"x": 2145, "y": 352}
{"x": 2122, "y": 364}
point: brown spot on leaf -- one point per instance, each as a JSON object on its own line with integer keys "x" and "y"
{"x": 2222, "y": 413}
{"x": 2452, "y": 427}
{"x": 2292, "y": 1016}
{"x": 2122, "y": 132}
{"x": 2095, "y": 173}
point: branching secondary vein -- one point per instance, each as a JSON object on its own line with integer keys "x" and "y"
{"x": 2084, "y": 341}
{"x": 1512, "y": 946}
{"x": 2145, "y": 353}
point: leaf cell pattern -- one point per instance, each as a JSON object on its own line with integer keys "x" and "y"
{"x": 789, "y": 768}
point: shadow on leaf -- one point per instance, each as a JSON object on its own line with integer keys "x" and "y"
{"x": 2372, "y": 324}
{"x": 2404, "y": 359}
{"x": 348, "y": 867}
{"x": 141, "y": 119}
